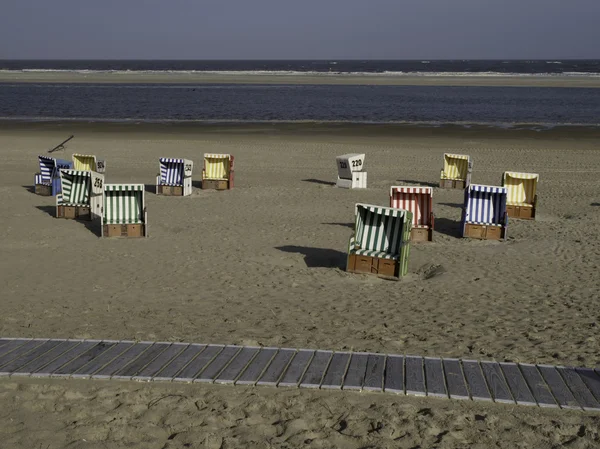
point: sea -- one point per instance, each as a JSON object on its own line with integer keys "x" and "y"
{"x": 538, "y": 107}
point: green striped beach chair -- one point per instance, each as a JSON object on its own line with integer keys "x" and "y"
{"x": 380, "y": 244}
{"x": 124, "y": 211}
{"x": 81, "y": 195}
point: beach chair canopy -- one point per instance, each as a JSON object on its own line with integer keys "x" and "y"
{"x": 417, "y": 200}
{"x": 172, "y": 171}
{"x": 87, "y": 162}
{"x": 521, "y": 187}
{"x": 349, "y": 163}
{"x": 380, "y": 231}
{"x": 456, "y": 166}
{"x": 76, "y": 185}
{"x": 485, "y": 205}
{"x": 49, "y": 168}
{"x": 124, "y": 203}
{"x": 217, "y": 166}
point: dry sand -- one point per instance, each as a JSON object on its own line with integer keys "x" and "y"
{"x": 324, "y": 78}
{"x": 263, "y": 264}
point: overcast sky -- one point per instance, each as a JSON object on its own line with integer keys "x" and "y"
{"x": 299, "y": 29}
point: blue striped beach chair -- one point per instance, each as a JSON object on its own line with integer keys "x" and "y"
{"x": 380, "y": 244}
{"x": 456, "y": 173}
{"x": 47, "y": 181}
{"x": 124, "y": 212}
{"x": 484, "y": 212}
{"x": 174, "y": 177}
{"x": 81, "y": 195}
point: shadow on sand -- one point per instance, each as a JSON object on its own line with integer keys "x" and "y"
{"x": 319, "y": 181}
{"x": 418, "y": 183}
{"x": 347, "y": 225}
{"x": 457, "y": 205}
{"x": 150, "y": 188}
{"x": 30, "y": 189}
{"x": 448, "y": 227}
{"x": 318, "y": 257}
{"x": 91, "y": 225}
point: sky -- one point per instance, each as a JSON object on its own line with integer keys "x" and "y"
{"x": 299, "y": 29}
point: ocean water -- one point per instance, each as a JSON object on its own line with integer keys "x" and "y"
{"x": 542, "y": 107}
{"x": 393, "y": 68}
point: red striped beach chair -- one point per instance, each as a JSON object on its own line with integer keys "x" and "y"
{"x": 418, "y": 201}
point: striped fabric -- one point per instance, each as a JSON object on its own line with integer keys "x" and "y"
{"x": 171, "y": 171}
{"x": 76, "y": 187}
{"x": 352, "y": 249}
{"x": 379, "y": 230}
{"x": 456, "y": 166}
{"x": 521, "y": 187}
{"x": 84, "y": 162}
{"x": 47, "y": 169}
{"x": 124, "y": 203}
{"x": 416, "y": 200}
{"x": 485, "y": 205}
{"x": 216, "y": 166}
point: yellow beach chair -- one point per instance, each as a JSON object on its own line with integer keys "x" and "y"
{"x": 521, "y": 194}
{"x": 218, "y": 172}
{"x": 456, "y": 173}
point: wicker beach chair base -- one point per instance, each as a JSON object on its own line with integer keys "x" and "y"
{"x": 484, "y": 232}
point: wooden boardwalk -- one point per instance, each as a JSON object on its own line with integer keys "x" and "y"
{"x": 512, "y": 383}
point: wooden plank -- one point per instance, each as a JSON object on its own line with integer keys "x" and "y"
{"x": 537, "y": 385}
{"x": 455, "y": 379}
{"x": 11, "y": 345}
{"x": 517, "y": 384}
{"x": 591, "y": 379}
{"x": 415, "y": 379}
{"x": 434, "y": 377}
{"x": 64, "y": 358}
{"x": 20, "y": 350}
{"x": 195, "y": 367}
{"x": 104, "y": 359}
{"x": 237, "y": 365}
{"x": 122, "y": 360}
{"x": 316, "y": 370}
{"x": 394, "y": 374}
{"x": 334, "y": 376}
{"x": 72, "y": 366}
{"x": 374, "y": 374}
{"x": 495, "y": 380}
{"x": 141, "y": 361}
{"x": 252, "y": 373}
{"x": 45, "y": 359}
{"x": 218, "y": 364}
{"x": 476, "y": 381}
{"x": 179, "y": 362}
{"x": 161, "y": 361}
{"x": 296, "y": 368}
{"x": 277, "y": 367}
{"x": 30, "y": 356}
{"x": 581, "y": 393}
{"x": 355, "y": 377}
{"x": 557, "y": 386}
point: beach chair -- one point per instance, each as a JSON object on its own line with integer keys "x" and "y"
{"x": 380, "y": 244}
{"x": 81, "y": 196}
{"x": 217, "y": 172}
{"x": 351, "y": 174}
{"x": 522, "y": 196}
{"x": 47, "y": 181}
{"x": 456, "y": 173}
{"x": 87, "y": 162}
{"x": 174, "y": 177}
{"x": 418, "y": 201}
{"x": 124, "y": 211}
{"x": 484, "y": 213}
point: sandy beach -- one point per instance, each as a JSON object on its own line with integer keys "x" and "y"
{"x": 7, "y": 76}
{"x": 264, "y": 264}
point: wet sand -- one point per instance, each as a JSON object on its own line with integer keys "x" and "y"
{"x": 326, "y": 78}
{"x": 263, "y": 264}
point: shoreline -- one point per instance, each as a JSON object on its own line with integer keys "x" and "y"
{"x": 307, "y": 128}
{"x": 325, "y": 79}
